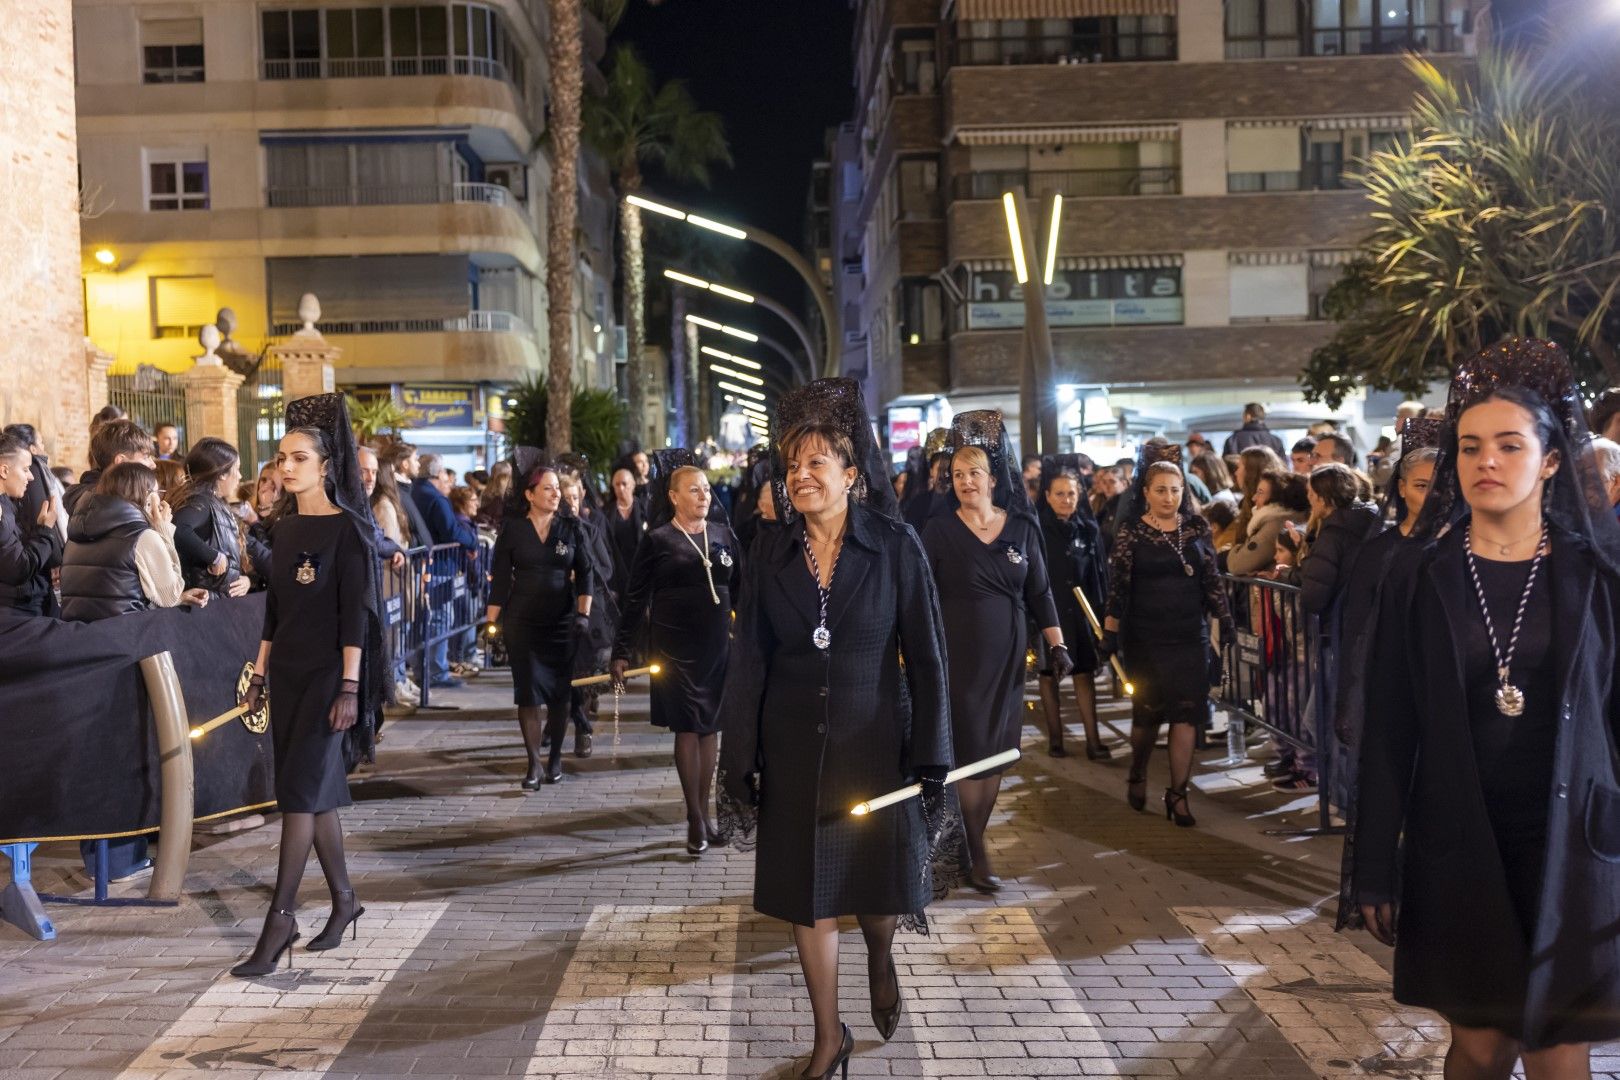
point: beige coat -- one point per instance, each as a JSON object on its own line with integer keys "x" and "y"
{"x": 1258, "y": 551}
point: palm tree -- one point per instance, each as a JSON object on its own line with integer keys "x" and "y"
{"x": 639, "y": 123}
{"x": 566, "y": 61}
{"x": 1501, "y": 217}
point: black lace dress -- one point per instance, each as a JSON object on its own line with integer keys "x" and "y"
{"x": 1164, "y": 601}
{"x": 536, "y": 582}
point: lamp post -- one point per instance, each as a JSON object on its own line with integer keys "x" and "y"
{"x": 795, "y": 365}
{"x": 772, "y": 244}
{"x": 741, "y": 297}
{"x": 1037, "y": 384}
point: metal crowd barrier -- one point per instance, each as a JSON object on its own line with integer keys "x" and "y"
{"x": 1275, "y": 674}
{"x": 439, "y": 595}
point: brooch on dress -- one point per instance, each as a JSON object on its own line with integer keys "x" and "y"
{"x": 308, "y": 564}
{"x": 562, "y": 549}
{"x": 1014, "y": 556}
{"x": 724, "y": 556}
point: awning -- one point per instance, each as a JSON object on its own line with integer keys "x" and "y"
{"x": 1333, "y": 257}
{"x": 1265, "y": 258}
{"x": 1086, "y": 262}
{"x": 1329, "y": 123}
{"x": 1059, "y": 136}
{"x": 1059, "y": 9}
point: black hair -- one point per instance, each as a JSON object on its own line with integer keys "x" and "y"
{"x": 25, "y": 432}
{"x": 288, "y": 502}
{"x": 11, "y": 443}
{"x": 206, "y": 462}
{"x": 1305, "y": 445}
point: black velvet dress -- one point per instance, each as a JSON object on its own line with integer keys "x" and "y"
{"x": 536, "y": 583}
{"x": 1164, "y": 613}
{"x": 987, "y": 592}
{"x": 1074, "y": 558}
{"x": 691, "y": 634}
{"x": 315, "y": 606}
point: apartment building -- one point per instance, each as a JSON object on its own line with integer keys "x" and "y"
{"x": 385, "y": 157}
{"x": 1199, "y": 148}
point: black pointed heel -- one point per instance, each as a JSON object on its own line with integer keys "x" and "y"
{"x": 332, "y": 936}
{"x": 256, "y": 965}
{"x": 1172, "y": 796}
{"x": 1136, "y": 791}
{"x": 840, "y": 1064}
{"x": 554, "y": 771}
{"x": 887, "y": 1020}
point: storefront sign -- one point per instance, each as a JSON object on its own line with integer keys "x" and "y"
{"x": 441, "y": 406}
{"x": 904, "y": 434}
{"x": 1079, "y": 298}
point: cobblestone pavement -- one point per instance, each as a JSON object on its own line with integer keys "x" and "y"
{"x": 567, "y": 932}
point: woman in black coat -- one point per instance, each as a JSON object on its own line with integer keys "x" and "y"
{"x": 207, "y": 532}
{"x": 1163, "y": 591}
{"x": 541, "y": 584}
{"x": 820, "y": 713}
{"x": 1487, "y": 849}
{"x": 985, "y": 552}
{"x": 592, "y": 651}
{"x": 686, "y": 573}
{"x": 321, "y": 661}
{"x": 1074, "y": 560}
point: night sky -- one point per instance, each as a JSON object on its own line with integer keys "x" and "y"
{"x": 779, "y": 72}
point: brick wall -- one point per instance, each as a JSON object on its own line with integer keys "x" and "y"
{"x": 1127, "y": 93}
{"x": 978, "y": 229}
{"x": 42, "y": 369}
{"x": 1144, "y": 354}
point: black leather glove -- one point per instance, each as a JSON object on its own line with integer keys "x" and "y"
{"x": 345, "y": 709}
{"x": 254, "y": 697}
{"x": 1062, "y": 663}
{"x": 932, "y": 779}
{"x": 616, "y": 669}
{"x": 1108, "y": 645}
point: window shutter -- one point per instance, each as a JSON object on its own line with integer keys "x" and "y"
{"x": 183, "y": 301}
{"x": 1262, "y": 149}
{"x": 171, "y": 32}
{"x": 1270, "y": 292}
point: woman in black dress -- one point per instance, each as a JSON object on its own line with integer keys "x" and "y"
{"x": 1074, "y": 559}
{"x": 987, "y": 563}
{"x": 541, "y": 583}
{"x": 686, "y": 572}
{"x": 593, "y": 650}
{"x": 1163, "y": 590}
{"x": 1488, "y": 838}
{"x": 320, "y": 660}
{"x": 820, "y": 713}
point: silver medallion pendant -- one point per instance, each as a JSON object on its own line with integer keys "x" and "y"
{"x": 1509, "y": 700}
{"x": 305, "y": 574}
{"x": 1014, "y": 556}
{"x": 1187, "y": 569}
{"x": 725, "y": 557}
{"x": 562, "y": 549}
{"x": 821, "y": 638}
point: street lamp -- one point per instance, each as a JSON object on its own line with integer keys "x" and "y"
{"x": 733, "y": 373}
{"x": 745, "y": 391}
{"x": 773, "y": 244}
{"x": 710, "y": 324}
{"x": 710, "y": 350}
{"x": 763, "y": 301}
{"x": 1038, "y": 420}
{"x": 699, "y": 283}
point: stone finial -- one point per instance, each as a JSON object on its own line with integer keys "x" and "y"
{"x": 309, "y": 309}
{"x": 226, "y": 321}
{"x": 210, "y": 337}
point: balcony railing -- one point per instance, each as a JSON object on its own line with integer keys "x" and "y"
{"x": 496, "y": 322}
{"x": 1064, "y": 49}
{"x": 378, "y": 67}
{"x": 388, "y": 195}
{"x": 1319, "y": 176}
{"x": 1333, "y": 41}
{"x": 1076, "y": 184}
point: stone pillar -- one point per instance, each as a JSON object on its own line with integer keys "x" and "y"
{"x": 306, "y": 358}
{"x": 211, "y": 394}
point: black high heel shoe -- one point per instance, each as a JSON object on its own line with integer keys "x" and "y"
{"x": 1100, "y": 752}
{"x": 699, "y": 845}
{"x": 886, "y": 1020}
{"x": 1136, "y": 791}
{"x": 1056, "y": 749}
{"x": 257, "y": 965}
{"x": 840, "y": 1064}
{"x": 332, "y": 936}
{"x": 1172, "y": 796}
{"x": 532, "y": 781}
{"x": 554, "y": 772}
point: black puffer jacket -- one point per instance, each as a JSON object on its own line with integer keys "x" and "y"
{"x": 99, "y": 578}
{"x": 27, "y": 553}
{"x": 1332, "y": 555}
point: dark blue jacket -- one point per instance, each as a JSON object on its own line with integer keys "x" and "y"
{"x": 443, "y": 524}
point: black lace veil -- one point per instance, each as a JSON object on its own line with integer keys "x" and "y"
{"x": 838, "y": 403}
{"x": 329, "y": 413}
{"x": 1538, "y": 371}
{"x": 985, "y": 429}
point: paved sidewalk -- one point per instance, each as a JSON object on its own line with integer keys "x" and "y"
{"x": 568, "y": 933}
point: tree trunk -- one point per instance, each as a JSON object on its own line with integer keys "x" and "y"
{"x": 567, "y": 87}
{"x": 677, "y": 348}
{"x": 635, "y": 311}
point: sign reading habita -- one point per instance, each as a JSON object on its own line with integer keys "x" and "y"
{"x": 1079, "y": 298}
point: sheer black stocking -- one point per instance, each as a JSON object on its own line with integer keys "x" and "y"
{"x": 1085, "y": 696}
{"x": 708, "y": 760}
{"x": 818, "y": 957}
{"x": 878, "y": 930}
{"x": 1144, "y": 733}
{"x": 1052, "y": 710}
{"x": 529, "y": 724}
{"x": 329, "y": 850}
{"x": 557, "y": 717}
{"x": 297, "y": 836}
{"x": 978, "y": 798}
{"x": 1183, "y": 737}
{"x": 690, "y": 757}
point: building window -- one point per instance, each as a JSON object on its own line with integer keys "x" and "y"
{"x": 461, "y": 39}
{"x": 916, "y": 68}
{"x": 1269, "y": 287}
{"x": 1099, "y": 40}
{"x": 1263, "y": 158}
{"x": 334, "y": 172}
{"x": 1260, "y": 28}
{"x": 176, "y": 180}
{"x": 182, "y": 306}
{"x": 919, "y": 189}
{"x": 922, "y": 312}
{"x": 1124, "y": 291}
{"x": 172, "y": 51}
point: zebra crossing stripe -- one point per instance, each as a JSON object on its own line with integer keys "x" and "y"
{"x": 295, "y": 1023}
